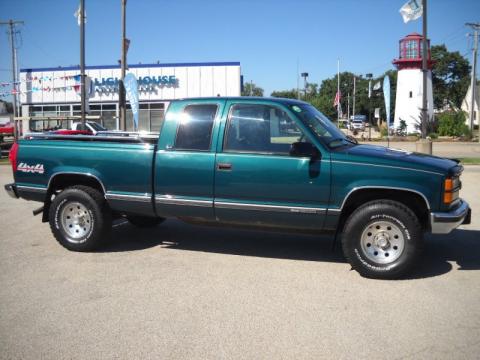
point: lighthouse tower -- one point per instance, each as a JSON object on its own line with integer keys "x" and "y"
{"x": 408, "y": 102}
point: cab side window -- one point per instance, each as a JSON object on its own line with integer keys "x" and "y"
{"x": 259, "y": 128}
{"x": 195, "y": 125}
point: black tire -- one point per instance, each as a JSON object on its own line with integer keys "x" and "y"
{"x": 382, "y": 239}
{"x": 80, "y": 218}
{"x": 144, "y": 221}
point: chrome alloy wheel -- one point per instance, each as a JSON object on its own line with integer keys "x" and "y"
{"x": 382, "y": 242}
{"x": 76, "y": 221}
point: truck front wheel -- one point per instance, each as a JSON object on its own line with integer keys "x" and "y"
{"x": 382, "y": 239}
{"x": 79, "y": 218}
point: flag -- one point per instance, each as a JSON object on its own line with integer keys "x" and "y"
{"x": 377, "y": 86}
{"x": 338, "y": 97}
{"x": 411, "y": 10}
{"x": 386, "y": 96}
{"x": 131, "y": 87}
{"x": 78, "y": 15}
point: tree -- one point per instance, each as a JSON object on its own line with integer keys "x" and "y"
{"x": 450, "y": 77}
{"x": 289, "y": 94}
{"x": 452, "y": 123}
{"x": 250, "y": 89}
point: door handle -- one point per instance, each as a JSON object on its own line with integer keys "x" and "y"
{"x": 224, "y": 166}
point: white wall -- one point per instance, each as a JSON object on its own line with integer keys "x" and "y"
{"x": 191, "y": 81}
{"x": 409, "y": 108}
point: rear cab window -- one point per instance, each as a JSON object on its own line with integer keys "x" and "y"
{"x": 194, "y": 131}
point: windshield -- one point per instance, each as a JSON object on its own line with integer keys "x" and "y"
{"x": 323, "y": 128}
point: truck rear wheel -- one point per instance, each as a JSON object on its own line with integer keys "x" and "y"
{"x": 80, "y": 218}
{"x": 382, "y": 239}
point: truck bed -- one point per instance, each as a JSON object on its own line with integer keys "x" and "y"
{"x": 122, "y": 165}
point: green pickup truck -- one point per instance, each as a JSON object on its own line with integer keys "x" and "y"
{"x": 262, "y": 163}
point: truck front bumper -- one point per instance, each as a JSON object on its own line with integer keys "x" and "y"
{"x": 11, "y": 189}
{"x": 444, "y": 222}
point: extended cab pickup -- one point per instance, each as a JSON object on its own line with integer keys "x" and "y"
{"x": 257, "y": 162}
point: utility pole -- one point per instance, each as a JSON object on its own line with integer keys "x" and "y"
{"x": 11, "y": 24}
{"x": 82, "y": 62}
{"x": 473, "y": 84}
{"x": 121, "y": 89}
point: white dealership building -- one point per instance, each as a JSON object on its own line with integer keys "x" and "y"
{"x": 50, "y": 92}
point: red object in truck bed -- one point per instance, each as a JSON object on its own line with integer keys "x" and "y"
{"x": 71, "y": 132}
{"x": 6, "y": 130}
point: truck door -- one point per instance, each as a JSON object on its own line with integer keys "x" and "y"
{"x": 185, "y": 159}
{"x": 257, "y": 181}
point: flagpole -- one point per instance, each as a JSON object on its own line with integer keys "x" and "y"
{"x": 298, "y": 79}
{"x": 338, "y": 92}
{"x": 354, "y": 90}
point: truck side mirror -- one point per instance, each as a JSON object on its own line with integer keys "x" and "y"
{"x": 304, "y": 149}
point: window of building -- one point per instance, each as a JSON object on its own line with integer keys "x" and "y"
{"x": 194, "y": 130}
{"x": 260, "y": 129}
{"x": 410, "y": 94}
{"x": 156, "y": 120}
{"x": 411, "y": 49}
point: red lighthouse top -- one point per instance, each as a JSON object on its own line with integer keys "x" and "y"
{"x": 410, "y": 52}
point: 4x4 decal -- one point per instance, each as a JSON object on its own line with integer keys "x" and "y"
{"x": 37, "y": 168}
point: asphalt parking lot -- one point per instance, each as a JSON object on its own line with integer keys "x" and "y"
{"x": 190, "y": 292}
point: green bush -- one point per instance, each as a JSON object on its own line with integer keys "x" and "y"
{"x": 452, "y": 123}
{"x": 433, "y": 135}
{"x": 383, "y": 131}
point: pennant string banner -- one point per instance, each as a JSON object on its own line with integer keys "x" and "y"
{"x": 42, "y": 78}
{"x": 75, "y": 87}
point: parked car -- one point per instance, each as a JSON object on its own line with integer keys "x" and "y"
{"x": 228, "y": 161}
{"x": 89, "y": 128}
{"x": 358, "y": 125}
{"x": 6, "y": 129}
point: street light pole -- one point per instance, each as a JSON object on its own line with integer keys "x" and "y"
{"x": 121, "y": 88}
{"x": 305, "y": 75}
{"x": 425, "y": 72}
